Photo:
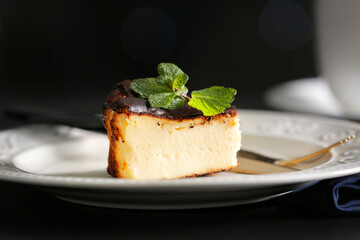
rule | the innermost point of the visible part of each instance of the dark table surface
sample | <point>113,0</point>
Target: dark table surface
<point>29,213</point>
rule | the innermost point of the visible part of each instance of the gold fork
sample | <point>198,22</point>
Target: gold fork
<point>254,163</point>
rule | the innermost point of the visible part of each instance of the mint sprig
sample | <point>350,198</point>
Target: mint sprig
<point>168,91</point>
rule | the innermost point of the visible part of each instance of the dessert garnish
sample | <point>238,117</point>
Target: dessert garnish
<point>168,91</point>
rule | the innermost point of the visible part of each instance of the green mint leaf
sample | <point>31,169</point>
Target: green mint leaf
<point>169,70</point>
<point>161,99</point>
<point>184,90</point>
<point>213,100</point>
<point>147,86</point>
<point>166,100</point>
<point>177,102</point>
<point>180,81</point>
<point>165,80</point>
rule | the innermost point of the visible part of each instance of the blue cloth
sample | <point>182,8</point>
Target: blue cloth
<point>339,196</point>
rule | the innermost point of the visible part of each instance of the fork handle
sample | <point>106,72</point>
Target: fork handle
<point>290,162</point>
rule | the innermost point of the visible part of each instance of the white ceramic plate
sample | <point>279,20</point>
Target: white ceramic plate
<point>71,164</point>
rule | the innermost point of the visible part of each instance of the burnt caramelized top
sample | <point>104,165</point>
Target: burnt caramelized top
<point>123,99</point>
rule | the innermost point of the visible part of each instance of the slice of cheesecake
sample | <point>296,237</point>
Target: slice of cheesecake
<point>154,143</point>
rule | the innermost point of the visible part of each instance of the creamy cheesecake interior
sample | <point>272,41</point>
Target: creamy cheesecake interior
<point>153,148</point>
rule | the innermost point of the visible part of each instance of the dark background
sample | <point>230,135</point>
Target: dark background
<point>68,55</point>
<point>67,48</point>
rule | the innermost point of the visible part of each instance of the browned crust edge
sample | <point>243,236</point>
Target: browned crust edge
<point>113,166</point>
<point>230,112</point>
<point>120,92</point>
<point>206,174</point>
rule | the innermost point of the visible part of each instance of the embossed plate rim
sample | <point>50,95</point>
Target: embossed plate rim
<point>9,172</point>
